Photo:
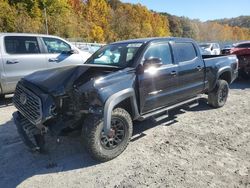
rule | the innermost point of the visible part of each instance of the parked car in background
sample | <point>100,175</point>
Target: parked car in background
<point>226,49</point>
<point>121,82</point>
<point>210,48</point>
<point>242,50</point>
<point>23,54</point>
<point>90,47</point>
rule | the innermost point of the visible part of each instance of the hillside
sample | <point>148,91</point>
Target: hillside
<point>241,21</point>
<point>109,20</point>
<point>206,31</point>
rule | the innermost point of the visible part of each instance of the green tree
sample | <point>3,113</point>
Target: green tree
<point>97,14</point>
<point>7,17</point>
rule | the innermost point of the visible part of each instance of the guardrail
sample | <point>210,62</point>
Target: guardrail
<point>79,44</point>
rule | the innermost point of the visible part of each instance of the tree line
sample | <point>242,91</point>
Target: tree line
<point>206,31</point>
<point>241,21</point>
<point>106,21</point>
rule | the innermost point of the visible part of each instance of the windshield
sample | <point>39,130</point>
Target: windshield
<point>115,54</point>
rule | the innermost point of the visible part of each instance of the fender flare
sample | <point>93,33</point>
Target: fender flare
<point>115,99</point>
<point>224,69</point>
<point>219,73</point>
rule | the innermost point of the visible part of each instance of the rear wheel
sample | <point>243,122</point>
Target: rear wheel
<point>104,147</point>
<point>218,97</point>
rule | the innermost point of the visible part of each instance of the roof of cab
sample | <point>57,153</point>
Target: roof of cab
<point>154,39</point>
<point>26,34</point>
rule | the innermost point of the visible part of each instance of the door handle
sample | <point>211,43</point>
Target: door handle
<point>53,60</point>
<point>11,62</point>
<point>199,68</point>
<point>173,73</point>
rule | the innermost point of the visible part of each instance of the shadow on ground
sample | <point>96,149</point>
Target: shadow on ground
<point>18,164</point>
<point>240,83</point>
<point>5,102</point>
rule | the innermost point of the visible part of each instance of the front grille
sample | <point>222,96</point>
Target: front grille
<point>28,104</point>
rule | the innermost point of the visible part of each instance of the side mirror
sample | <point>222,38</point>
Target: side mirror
<point>152,61</point>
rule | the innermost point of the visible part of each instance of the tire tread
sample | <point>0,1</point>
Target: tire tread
<point>90,129</point>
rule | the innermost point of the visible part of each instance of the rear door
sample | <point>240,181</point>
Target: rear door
<point>158,85</point>
<point>57,55</point>
<point>21,56</point>
<point>191,70</point>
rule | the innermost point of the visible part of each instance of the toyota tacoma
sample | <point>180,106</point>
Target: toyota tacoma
<point>120,83</point>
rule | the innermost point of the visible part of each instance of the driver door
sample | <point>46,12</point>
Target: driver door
<point>158,85</point>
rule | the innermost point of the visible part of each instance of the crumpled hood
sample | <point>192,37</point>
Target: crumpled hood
<point>59,80</point>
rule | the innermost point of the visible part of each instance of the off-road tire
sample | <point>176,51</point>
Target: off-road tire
<point>91,132</point>
<point>215,97</point>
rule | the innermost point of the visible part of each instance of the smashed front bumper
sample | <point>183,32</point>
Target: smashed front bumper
<point>31,136</point>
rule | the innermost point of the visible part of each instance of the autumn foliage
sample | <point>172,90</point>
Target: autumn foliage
<point>107,20</point>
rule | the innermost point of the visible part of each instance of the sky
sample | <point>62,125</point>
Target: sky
<point>198,9</point>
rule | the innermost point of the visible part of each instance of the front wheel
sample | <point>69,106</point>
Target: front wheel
<point>104,147</point>
<point>218,97</point>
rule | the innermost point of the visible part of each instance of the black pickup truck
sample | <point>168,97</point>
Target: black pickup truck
<point>122,82</point>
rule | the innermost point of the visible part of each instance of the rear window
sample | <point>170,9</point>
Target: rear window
<point>185,51</point>
<point>21,45</point>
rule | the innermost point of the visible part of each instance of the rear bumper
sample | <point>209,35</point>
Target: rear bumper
<point>29,133</point>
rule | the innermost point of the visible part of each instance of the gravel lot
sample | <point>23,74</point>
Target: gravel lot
<point>198,147</point>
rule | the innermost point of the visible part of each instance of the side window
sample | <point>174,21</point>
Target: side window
<point>185,51</point>
<point>21,45</point>
<point>161,51</point>
<point>56,45</point>
<point>244,45</point>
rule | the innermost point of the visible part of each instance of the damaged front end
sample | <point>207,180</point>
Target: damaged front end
<point>58,101</point>
<point>39,113</point>
<point>29,117</point>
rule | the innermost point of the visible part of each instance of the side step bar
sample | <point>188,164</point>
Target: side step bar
<point>161,117</point>
<point>166,109</point>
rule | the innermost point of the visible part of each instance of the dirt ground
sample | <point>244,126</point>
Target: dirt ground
<point>197,147</point>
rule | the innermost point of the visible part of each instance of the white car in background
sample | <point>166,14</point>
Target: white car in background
<point>210,48</point>
<point>90,47</point>
<point>22,54</point>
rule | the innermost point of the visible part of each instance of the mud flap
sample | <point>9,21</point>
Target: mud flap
<point>29,133</point>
